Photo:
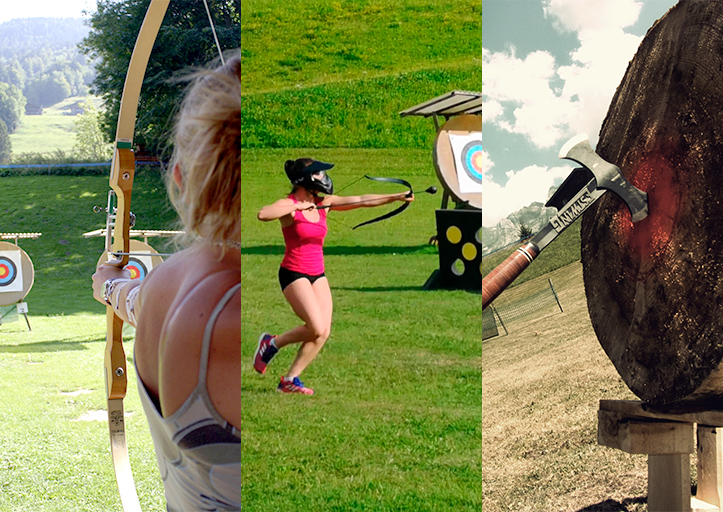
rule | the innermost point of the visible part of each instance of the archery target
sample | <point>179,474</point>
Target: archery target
<point>9,271</point>
<point>141,263</point>
<point>16,274</point>
<point>467,150</point>
<point>136,267</point>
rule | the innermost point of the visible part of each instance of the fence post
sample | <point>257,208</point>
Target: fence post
<point>500,319</point>
<point>555,294</point>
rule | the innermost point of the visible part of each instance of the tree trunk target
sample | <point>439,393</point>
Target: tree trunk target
<point>655,288</point>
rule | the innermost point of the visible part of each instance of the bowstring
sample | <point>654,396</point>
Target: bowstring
<point>213,29</point>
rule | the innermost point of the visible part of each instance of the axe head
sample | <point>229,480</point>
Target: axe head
<point>607,175</point>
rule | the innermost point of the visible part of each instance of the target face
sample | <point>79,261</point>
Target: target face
<point>137,268</point>
<point>472,160</point>
<point>468,157</point>
<point>16,274</point>
<point>8,272</point>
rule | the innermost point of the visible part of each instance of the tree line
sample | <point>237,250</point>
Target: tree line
<point>45,68</point>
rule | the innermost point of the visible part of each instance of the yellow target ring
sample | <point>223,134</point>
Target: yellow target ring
<point>454,235</point>
<point>469,251</point>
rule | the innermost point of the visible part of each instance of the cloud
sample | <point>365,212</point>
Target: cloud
<point>547,102</point>
<point>519,96</point>
<point>535,97</point>
<point>600,15</point>
<point>523,187</point>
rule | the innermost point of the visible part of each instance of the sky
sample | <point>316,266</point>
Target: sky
<point>44,9</point>
<point>549,71</point>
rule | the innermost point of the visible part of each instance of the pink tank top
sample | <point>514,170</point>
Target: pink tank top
<point>305,243</point>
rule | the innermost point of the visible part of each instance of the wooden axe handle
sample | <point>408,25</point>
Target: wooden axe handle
<point>506,272</point>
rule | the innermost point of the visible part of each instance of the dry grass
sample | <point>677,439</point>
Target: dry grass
<point>541,387</point>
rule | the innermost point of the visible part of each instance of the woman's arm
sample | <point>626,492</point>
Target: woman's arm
<point>282,208</point>
<point>365,201</point>
<point>113,286</point>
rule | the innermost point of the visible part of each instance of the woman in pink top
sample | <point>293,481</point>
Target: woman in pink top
<point>303,223</point>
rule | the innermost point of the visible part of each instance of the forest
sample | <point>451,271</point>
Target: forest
<point>40,65</point>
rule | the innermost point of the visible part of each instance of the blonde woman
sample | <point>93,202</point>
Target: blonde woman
<point>303,281</point>
<point>187,310</point>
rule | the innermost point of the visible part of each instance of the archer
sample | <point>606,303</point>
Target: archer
<point>302,215</point>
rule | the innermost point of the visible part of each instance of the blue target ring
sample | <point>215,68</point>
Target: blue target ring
<point>8,271</point>
<point>472,160</point>
<point>137,269</point>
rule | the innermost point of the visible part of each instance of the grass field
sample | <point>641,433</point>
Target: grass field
<point>395,423</point>
<point>541,388</point>
<point>52,131</point>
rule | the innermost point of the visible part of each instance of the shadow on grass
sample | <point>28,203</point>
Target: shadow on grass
<point>379,288</point>
<point>615,506</point>
<point>45,346</point>
<point>342,250</point>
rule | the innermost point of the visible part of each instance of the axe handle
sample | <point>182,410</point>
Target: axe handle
<point>506,272</point>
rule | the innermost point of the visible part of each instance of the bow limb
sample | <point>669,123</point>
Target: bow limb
<point>393,212</point>
<point>121,182</point>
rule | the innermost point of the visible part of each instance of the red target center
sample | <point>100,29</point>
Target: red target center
<point>4,271</point>
<point>477,161</point>
<point>135,273</point>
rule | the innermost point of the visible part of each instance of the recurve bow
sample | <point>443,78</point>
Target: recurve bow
<point>121,181</point>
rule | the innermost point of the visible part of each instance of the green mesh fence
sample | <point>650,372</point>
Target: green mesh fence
<point>510,307</point>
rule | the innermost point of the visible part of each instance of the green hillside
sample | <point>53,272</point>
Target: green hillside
<point>563,251</point>
<point>336,74</point>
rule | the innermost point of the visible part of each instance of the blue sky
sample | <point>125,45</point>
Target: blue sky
<point>549,71</point>
<point>44,9</point>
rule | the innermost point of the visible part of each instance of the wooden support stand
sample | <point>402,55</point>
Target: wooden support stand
<point>666,437</point>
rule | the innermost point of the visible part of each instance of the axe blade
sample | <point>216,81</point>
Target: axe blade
<point>607,175</point>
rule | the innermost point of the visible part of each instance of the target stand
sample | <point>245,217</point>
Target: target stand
<point>17,276</point>
<point>457,159</point>
<point>668,437</point>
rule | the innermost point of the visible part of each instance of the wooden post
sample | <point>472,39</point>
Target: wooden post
<point>667,438</point>
<point>710,465</point>
<point>669,482</point>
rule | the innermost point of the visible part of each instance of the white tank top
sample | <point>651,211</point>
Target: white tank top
<point>198,452</point>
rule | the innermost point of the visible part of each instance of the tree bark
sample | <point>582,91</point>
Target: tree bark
<point>655,288</point>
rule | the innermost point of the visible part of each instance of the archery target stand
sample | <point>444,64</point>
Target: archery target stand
<point>17,276</point>
<point>668,437</point>
<point>457,156</point>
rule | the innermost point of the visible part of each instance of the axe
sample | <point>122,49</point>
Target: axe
<point>581,189</point>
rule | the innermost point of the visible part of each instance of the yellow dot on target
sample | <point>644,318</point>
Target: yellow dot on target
<point>454,235</point>
<point>469,251</point>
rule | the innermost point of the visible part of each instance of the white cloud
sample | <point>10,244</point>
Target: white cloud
<point>546,102</point>
<point>600,15</point>
<point>522,188</point>
<point>535,97</point>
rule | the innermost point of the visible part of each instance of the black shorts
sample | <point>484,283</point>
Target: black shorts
<point>286,277</point>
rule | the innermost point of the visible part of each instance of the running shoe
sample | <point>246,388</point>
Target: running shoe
<point>293,386</point>
<point>265,352</point>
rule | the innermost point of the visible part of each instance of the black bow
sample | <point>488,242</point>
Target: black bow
<point>393,212</point>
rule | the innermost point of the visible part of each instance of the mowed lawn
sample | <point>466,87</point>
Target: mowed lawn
<point>542,384</point>
<point>396,421</point>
